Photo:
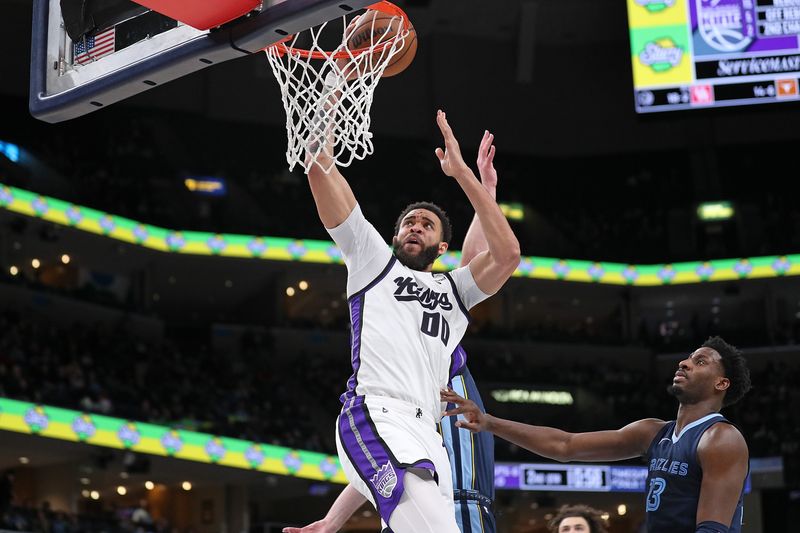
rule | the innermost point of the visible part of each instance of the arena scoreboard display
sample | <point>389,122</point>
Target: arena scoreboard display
<point>570,477</point>
<point>580,477</point>
<point>693,54</point>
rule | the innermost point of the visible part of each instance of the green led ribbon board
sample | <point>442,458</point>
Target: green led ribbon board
<point>313,251</point>
<point>108,432</point>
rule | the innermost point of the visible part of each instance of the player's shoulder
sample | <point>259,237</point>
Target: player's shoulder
<point>722,435</point>
<point>643,431</point>
<point>648,424</point>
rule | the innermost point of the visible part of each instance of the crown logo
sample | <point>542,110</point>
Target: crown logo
<point>385,480</point>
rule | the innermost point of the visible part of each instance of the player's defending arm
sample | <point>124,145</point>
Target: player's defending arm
<point>631,441</point>
<point>475,240</point>
<point>343,508</point>
<point>493,267</point>
<point>723,456</point>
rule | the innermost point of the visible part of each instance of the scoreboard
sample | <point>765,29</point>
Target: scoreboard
<point>570,477</point>
<point>693,54</point>
<point>579,477</point>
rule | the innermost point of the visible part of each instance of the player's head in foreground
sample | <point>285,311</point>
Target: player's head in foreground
<point>715,372</point>
<point>421,234</point>
<point>577,519</point>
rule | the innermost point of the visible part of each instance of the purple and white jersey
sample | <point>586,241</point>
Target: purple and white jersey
<point>406,324</point>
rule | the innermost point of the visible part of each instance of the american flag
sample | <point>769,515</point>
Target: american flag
<point>92,48</point>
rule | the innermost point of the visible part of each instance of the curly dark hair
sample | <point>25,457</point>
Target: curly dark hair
<point>592,516</point>
<point>735,366</point>
<point>447,228</point>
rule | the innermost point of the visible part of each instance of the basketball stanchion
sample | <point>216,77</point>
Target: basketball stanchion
<point>327,94</point>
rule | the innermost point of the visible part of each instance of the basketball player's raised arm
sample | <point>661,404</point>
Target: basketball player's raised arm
<point>631,441</point>
<point>722,453</point>
<point>492,268</point>
<point>475,240</point>
<point>332,194</point>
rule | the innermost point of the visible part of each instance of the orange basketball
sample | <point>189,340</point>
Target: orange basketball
<point>376,27</point>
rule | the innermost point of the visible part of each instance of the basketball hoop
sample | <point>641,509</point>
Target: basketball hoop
<point>327,94</point>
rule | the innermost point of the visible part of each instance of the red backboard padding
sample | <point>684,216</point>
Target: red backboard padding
<point>201,14</point>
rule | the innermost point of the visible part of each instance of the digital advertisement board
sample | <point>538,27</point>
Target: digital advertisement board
<point>693,54</point>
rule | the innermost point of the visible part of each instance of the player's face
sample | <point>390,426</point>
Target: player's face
<point>419,240</point>
<point>699,376</point>
<point>574,524</point>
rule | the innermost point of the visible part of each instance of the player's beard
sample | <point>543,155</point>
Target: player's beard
<point>420,261</point>
<point>681,394</point>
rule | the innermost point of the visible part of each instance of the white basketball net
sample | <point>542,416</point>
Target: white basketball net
<point>327,114</point>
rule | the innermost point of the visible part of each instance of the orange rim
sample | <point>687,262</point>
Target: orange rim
<point>383,6</point>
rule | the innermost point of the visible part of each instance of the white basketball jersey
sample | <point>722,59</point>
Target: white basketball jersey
<point>406,324</point>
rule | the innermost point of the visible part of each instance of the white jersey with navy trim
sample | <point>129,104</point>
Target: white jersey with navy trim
<point>406,324</point>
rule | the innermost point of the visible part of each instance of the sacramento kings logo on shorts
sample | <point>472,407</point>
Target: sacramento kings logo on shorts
<point>385,480</point>
<point>725,25</point>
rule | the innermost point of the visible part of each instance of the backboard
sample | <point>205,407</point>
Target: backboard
<point>89,62</point>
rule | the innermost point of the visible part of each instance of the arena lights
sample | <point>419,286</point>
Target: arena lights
<point>303,285</point>
<point>65,258</point>
<point>35,263</point>
<point>122,491</point>
<point>149,485</point>
<point>11,151</point>
<point>547,397</point>
<point>187,486</point>
<point>94,495</point>
<point>24,460</point>
<point>514,212</point>
<point>290,291</point>
<point>325,252</point>
<point>206,185</point>
<point>622,509</point>
<point>14,270</point>
<point>712,211</point>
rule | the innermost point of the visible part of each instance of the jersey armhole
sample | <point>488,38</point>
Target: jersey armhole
<point>458,297</point>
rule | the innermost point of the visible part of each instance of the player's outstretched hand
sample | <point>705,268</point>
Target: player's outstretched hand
<point>450,158</point>
<point>486,161</point>
<point>317,527</point>
<point>474,419</point>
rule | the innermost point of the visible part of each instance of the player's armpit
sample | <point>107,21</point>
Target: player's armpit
<point>723,456</point>
<point>490,272</point>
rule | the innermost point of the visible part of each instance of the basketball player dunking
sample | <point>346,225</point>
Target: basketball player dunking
<point>406,325</point>
<point>471,457</point>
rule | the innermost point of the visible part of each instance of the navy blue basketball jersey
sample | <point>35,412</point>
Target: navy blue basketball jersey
<point>674,478</point>
<point>472,463</point>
